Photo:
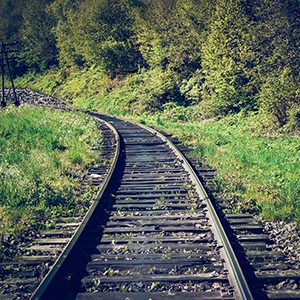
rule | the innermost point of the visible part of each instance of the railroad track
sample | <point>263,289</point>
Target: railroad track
<point>154,234</point>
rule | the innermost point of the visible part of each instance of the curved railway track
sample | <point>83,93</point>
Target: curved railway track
<point>153,233</point>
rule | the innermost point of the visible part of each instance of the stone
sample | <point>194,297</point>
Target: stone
<point>280,285</point>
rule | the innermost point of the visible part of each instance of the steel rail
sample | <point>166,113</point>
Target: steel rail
<point>40,290</point>
<point>237,276</point>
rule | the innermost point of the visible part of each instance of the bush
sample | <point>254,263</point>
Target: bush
<point>176,113</point>
<point>228,60</point>
<point>296,119</point>
<point>278,95</point>
<point>191,88</point>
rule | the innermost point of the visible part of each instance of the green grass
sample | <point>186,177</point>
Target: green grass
<point>256,171</point>
<point>42,153</point>
<point>258,165</point>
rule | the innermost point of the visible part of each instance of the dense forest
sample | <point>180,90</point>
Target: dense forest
<point>220,56</point>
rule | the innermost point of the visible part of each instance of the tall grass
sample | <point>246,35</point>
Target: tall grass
<point>256,170</point>
<point>42,153</point>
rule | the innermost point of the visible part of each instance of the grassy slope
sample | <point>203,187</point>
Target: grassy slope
<point>42,152</point>
<point>258,167</point>
<point>254,171</point>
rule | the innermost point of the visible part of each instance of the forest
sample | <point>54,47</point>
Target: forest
<point>225,72</point>
<point>225,56</point>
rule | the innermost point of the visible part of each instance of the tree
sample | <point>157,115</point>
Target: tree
<point>66,13</point>
<point>228,61</point>
<point>279,67</point>
<point>10,19</point>
<point>170,33</point>
<point>107,37</point>
<point>278,94</point>
<point>37,35</point>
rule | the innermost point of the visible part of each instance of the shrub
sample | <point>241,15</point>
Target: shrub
<point>278,94</point>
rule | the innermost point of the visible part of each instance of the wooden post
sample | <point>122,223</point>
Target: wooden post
<point>5,50</point>
<point>3,104</point>
<point>16,101</point>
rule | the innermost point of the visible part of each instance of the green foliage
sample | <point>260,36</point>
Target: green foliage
<point>278,95</point>
<point>256,171</point>
<point>97,32</point>
<point>224,55</point>
<point>64,11</point>
<point>29,23</point>
<point>37,36</point>
<point>295,118</point>
<point>10,19</point>
<point>227,61</point>
<point>138,93</point>
<point>41,153</point>
<point>169,33</point>
<point>279,69</point>
<point>191,88</point>
<point>279,36</point>
<point>177,113</point>
<point>141,93</point>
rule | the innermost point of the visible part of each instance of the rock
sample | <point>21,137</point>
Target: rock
<point>95,176</point>
<point>280,285</point>
<point>286,238</point>
<point>216,285</point>
<point>295,286</point>
<point>291,281</point>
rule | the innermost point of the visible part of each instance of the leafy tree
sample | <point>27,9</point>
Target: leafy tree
<point>278,94</point>
<point>105,36</point>
<point>228,61</point>
<point>37,36</point>
<point>279,27</point>
<point>170,33</point>
<point>66,15</point>
<point>10,19</point>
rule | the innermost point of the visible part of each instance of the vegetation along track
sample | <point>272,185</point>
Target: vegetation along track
<point>20,277</point>
<point>154,234</point>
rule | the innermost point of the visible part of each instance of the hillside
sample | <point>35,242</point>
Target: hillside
<point>221,75</point>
